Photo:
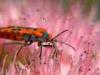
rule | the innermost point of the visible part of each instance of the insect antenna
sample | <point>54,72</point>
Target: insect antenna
<point>67,45</point>
<point>54,39</point>
<point>59,34</point>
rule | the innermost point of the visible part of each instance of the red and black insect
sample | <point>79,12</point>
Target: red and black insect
<point>30,35</point>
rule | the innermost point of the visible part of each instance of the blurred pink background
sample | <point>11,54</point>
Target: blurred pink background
<point>49,14</point>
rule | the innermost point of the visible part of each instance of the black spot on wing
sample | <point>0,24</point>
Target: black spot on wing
<point>16,28</point>
<point>27,28</point>
<point>15,35</point>
<point>41,32</point>
<point>5,34</point>
<point>35,29</point>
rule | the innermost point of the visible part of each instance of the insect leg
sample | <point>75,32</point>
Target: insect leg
<point>55,53</point>
<point>16,43</point>
<point>40,56</point>
<point>67,45</point>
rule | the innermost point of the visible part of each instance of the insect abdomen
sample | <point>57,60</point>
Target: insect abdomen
<point>9,34</point>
